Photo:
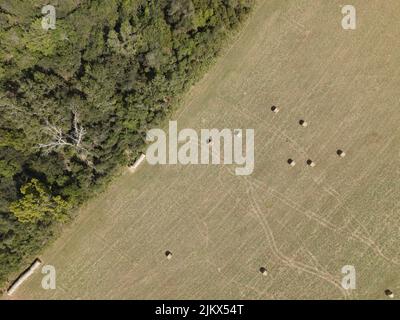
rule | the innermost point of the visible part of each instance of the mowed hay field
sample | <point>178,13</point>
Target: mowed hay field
<point>302,224</point>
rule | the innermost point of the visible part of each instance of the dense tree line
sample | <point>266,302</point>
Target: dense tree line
<point>76,101</point>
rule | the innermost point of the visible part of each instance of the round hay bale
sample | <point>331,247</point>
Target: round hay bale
<point>263,271</point>
<point>168,254</point>
<point>341,153</point>
<point>389,293</point>
<point>291,162</point>
<point>303,123</point>
<point>310,163</point>
<point>238,132</point>
<point>274,109</point>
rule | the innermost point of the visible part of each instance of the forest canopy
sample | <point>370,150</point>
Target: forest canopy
<point>77,100</point>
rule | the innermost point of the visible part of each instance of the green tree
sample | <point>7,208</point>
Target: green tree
<point>37,204</point>
<point>9,168</point>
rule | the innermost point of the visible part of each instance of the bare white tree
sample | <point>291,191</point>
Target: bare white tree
<point>59,139</point>
<point>79,131</point>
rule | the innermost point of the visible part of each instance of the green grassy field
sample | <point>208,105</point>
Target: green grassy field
<point>303,224</point>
